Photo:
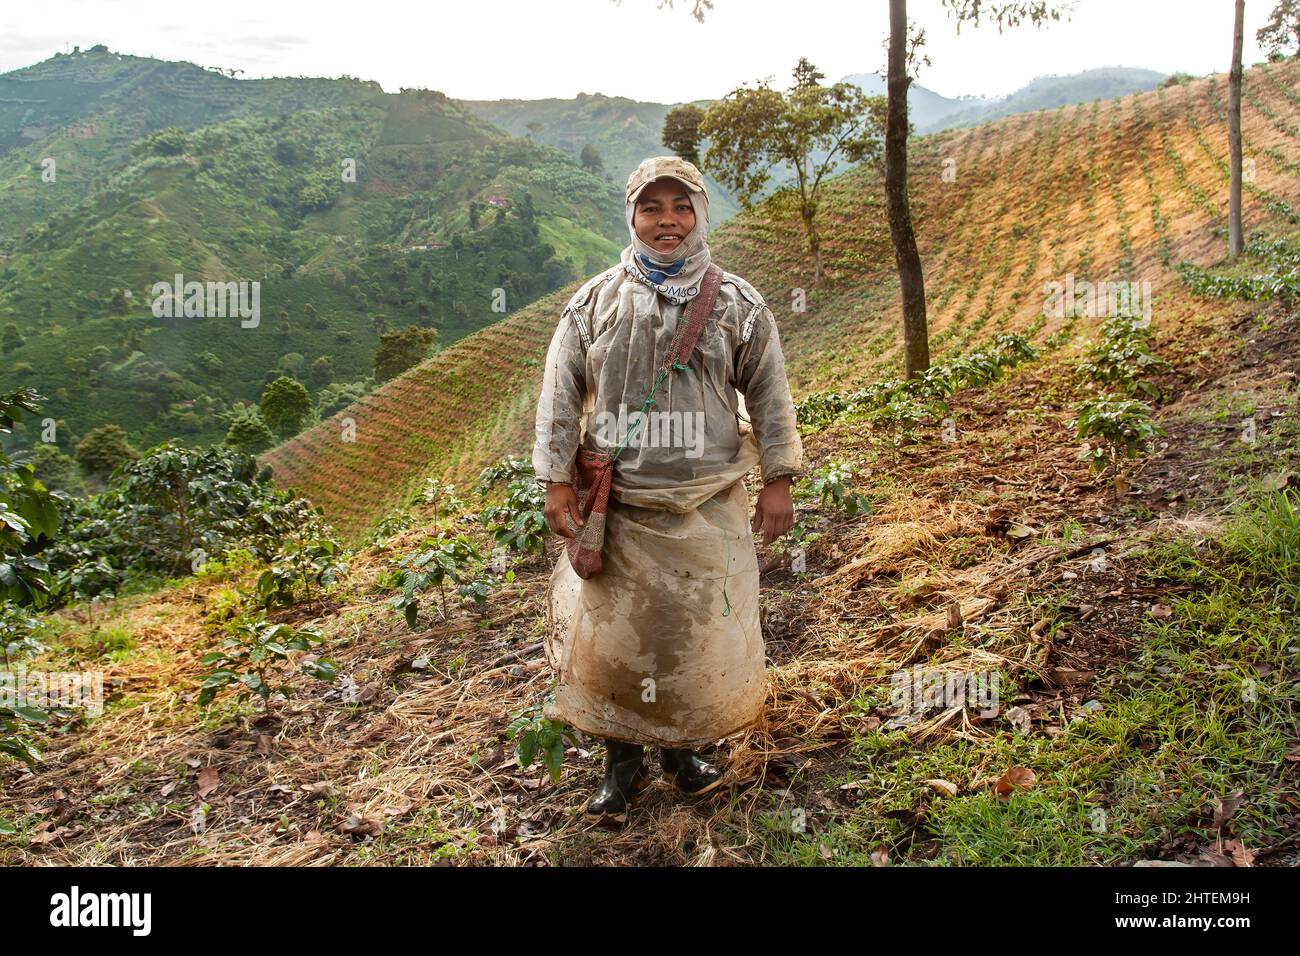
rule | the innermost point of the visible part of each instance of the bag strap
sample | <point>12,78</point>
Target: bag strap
<point>684,339</point>
<point>688,334</point>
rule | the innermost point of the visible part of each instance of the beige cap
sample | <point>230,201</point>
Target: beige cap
<point>659,167</point>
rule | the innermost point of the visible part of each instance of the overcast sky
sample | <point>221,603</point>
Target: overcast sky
<point>491,49</point>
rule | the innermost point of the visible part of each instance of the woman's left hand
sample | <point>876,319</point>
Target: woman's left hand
<point>774,513</point>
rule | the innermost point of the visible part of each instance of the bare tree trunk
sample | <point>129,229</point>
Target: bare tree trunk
<point>1234,138</point>
<point>911,280</point>
<point>814,242</point>
<point>808,214</point>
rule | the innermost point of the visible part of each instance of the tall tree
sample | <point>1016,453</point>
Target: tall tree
<point>401,350</point>
<point>285,406</point>
<point>103,449</point>
<point>904,56</point>
<point>911,278</point>
<point>590,159</point>
<point>904,46</point>
<point>1234,136</point>
<point>752,130</point>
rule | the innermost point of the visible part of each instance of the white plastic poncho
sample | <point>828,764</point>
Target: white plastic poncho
<point>663,647</point>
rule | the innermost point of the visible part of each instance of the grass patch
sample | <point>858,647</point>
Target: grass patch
<point>1208,707</point>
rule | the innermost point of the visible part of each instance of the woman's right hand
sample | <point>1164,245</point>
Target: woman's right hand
<point>560,502</point>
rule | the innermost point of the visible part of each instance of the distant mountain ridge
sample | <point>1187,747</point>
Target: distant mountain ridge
<point>85,109</point>
<point>624,131</point>
<point>1050,92</point>
<point>926,108</point>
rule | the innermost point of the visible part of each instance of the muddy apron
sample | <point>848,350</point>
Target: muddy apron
<point>663,647</point>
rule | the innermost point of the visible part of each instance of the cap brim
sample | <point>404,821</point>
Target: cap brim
<point>641,188</point>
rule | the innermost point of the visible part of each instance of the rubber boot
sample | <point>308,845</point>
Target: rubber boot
<point>690,773</point>
<point>626,775</point>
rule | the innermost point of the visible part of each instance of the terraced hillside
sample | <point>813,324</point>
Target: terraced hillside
<point>1117,190</point>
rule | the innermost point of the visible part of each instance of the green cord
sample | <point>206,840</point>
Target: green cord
<point>726,600</point>
<point>649,399</point>
<point>645,407</point>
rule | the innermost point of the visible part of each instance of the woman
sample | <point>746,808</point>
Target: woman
<point>663,646</point>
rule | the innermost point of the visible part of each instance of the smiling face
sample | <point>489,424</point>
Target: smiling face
<point>664,215</point>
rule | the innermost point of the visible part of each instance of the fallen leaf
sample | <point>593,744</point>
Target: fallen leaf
<point>1069,676</point>
<point>954,616</point>
<point>1211,858</point>
<point>945,787</point>
<point>1161,612</point>
<point>1240,855</point>
<point>1225,807</point>
<point>1017,778</point>
<point>360,825</point>
<point>1019,719</point>
<point>208,780</point>
<point>1275,481</point>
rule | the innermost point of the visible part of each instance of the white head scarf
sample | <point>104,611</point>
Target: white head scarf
<point>675,275</point>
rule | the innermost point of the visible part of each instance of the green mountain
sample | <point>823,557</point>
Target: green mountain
<point>352,218</point>
<point>621,131</point>
<point>84,109</point>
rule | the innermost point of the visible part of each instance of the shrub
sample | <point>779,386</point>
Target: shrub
<point>251,653</point>
<point>1121,428</point>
